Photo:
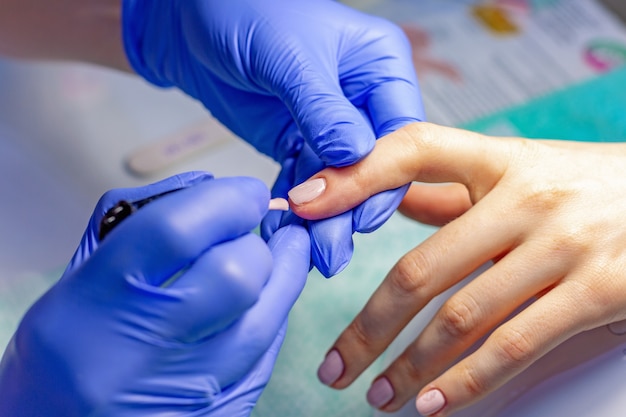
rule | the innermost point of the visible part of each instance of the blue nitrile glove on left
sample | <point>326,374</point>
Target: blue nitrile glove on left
<point>291,77</point>
<point>180,310</point>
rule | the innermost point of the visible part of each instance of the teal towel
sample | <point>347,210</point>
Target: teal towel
<point>324,309</point>
<point>591,111</point>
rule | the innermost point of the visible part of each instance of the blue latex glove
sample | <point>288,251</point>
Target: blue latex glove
<point>282,74</point>
<point>116,336</point>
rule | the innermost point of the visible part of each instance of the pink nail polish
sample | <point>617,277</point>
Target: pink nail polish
<point>380,393</point>
<point>307,191</point>
<point>430,402</point>
<point>331,369</point>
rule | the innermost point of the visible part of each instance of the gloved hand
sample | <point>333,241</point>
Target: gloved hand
<point>180,310</point>
<point>282,74</point>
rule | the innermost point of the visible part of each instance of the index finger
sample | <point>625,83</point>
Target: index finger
<point>418,152</point>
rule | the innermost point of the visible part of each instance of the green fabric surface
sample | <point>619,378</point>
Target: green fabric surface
<point>591,111</point>
<point>324,309</point>
<point>16,296</point>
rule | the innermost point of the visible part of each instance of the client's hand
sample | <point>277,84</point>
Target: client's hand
<point>549,213</point>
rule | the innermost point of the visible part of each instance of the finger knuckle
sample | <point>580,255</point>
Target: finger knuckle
<point>410,366</point>
<point>542,198</point>
<point>243,265</point>
<point>513,348</point>
<point>458,317</point>
<point>410,276</point>
<point>571,239</point>
<point>473,382</point>
<point>359,333</point>
<point>423,136</point>
<point>245,286</point>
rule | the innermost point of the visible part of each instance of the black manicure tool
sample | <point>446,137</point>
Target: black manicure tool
<point>122,210</point>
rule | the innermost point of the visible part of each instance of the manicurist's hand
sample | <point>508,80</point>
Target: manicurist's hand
<point>549,213</point>
<point>179,310</point>
<point>311,83</point>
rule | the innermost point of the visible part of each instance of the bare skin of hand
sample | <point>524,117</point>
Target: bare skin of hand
<point>550,213</point>
<point>435,206</point>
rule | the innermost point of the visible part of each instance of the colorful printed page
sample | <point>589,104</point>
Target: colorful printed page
<point>475,58</point>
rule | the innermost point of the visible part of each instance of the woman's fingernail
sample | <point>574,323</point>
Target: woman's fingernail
<point>307,191</point>
<point>331,369</point>
<point>380,393</point>
<point>430,402</point>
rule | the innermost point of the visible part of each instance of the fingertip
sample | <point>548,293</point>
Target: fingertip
<point>332,126</point>
<point>330,192</point>
<point>239,270</point>
<point>328,266</point>
<point>307,191</point>
<point>380,393</point>
<point>344,143</point>
<point>331,244</point>
<point>249,189</point>
<point>430,402</point>
<point>331,368</point>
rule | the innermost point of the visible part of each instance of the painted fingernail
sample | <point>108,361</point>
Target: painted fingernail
<point>307,191</point>
<point>380,393</point>
<point>430,402</point>
<point>331,369</point>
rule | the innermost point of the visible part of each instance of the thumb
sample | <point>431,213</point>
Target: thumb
<point>333,127</point>
<point>418,152</point>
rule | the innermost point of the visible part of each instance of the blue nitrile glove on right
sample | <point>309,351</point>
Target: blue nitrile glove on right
<point>180,310</point>
<point>286,75</point>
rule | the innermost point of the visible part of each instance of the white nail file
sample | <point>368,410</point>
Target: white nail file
<point>172,149</point>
